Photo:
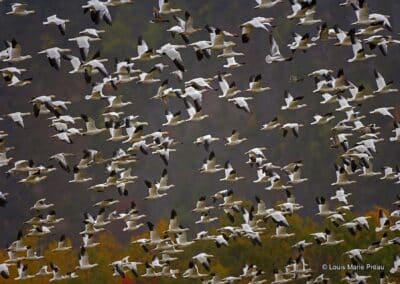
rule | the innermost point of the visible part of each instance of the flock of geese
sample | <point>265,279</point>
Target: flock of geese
<point>355,141</point>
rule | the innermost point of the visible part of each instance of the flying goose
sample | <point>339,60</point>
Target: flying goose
<point>382,86</point>
<point>17,82</point>
<point>54,56</point>
<point>153,191</point>
<point>275,54</point>
<point>206,140</point>
<point>292,102</point>
<point>171,51</point>
<point>241,103</point>
<point>322,119</point>
<point>230,173</point>
<point>83,43</point>
<point>166,9</point>
<point>184,28</point>
<point>271,124</point>
<point>98,10</point>
<point>84,263</point>
<point>323,207</point>
<point>23,273</point>
<point>385,111</point>
<point>301,42</point>
<point>257,22</point>
<point>234,139</point>
<point>264,4</point>
<point>19,9</point>
<point>201,206</point>
<point>144,52</point>
<point>358,51</point>
<point>255,85</point>
<point>13,54</point>
<point>60,23</point>
<point>41,205</point>
<point>17,117</point>
<point>228,90</point>
<point>210,164</point>
<point>291,126</point>
<point>92,32</point>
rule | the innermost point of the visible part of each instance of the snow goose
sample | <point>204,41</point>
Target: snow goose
<point>358,94</point>
<point>241,103</point>
<point>79,177</point>
<point>341,196</point>
<point>98,10</point>
<point>194,111</point>
<point>292,102</point>
<point>62,245</point>
<point>153,191</point>
<point>301,8</point>
<point>234,139</point>
<point>308,20</point>
<point>322,238</point>
<point>301,42</point>
<point>14,51</point>
<point>163,185</point>
<point>83,43</point>
<point>204,259</point>
<point>166,9</point>
<point>271,124</point>
<point>228,90</point>
<point>322,119</point>
<point>84,263</point>
<point>294,174</point>
<point>4,272</point>
<point>201,206</point>
<point>257,22</point>
<point>382,86</point>
<point>294,127</point>
<point>17,117</point>
<point>323,207</point>
<point>19,9</point>
<point>278,217</point>
<point>60,23</point>
<point>94,66</point>
<point>144,52</point>
<point>385,111</point>
<point>389,173</point>
<point>41,205</point>
<point>17,82</point>
<point>342,176</point>
<point>230,173</point>
<point>275,54</point>
<point>149,77</point>
<point>255,85</point>
<point>54,55</point>
<point>193,272</point>
<point>23,273</point>
<point>280,232</point>
<point>184,28</point>
<point>92,32</point>
<point>217,40</point>
<point>210,164</point>
<point>232,63</point>
<point>171,51</point>
<point>358,51</point>
<point>206,140</point>
<point>264,4</point>
<point>276,182</point>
